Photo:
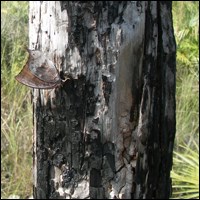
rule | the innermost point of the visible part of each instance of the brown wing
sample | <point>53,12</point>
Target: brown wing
<point>45,70</point>
<point>27,78</point>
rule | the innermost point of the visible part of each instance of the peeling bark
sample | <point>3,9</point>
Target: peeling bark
<point>108,132</point>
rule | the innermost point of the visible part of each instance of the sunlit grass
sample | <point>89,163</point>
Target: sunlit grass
<point>16,108</point>
<point>185,173</point>
<point>187,90</point>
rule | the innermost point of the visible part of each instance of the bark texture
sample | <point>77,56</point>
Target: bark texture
<point>108,132</point>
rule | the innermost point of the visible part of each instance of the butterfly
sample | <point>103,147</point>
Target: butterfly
<point>39,72</point>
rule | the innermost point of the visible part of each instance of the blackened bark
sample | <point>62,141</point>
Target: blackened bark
<point>108,132</point>
<point>156,136</point>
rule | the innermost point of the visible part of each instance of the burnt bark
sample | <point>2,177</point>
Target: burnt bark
<point>108,131</point>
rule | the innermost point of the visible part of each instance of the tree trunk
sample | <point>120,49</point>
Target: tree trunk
<point>108,131</point>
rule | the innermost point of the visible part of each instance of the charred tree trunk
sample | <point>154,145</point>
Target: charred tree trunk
<point>108,132</point>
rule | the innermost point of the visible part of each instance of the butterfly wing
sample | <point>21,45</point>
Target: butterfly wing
<point>44,69</point>
<point>27,78</point>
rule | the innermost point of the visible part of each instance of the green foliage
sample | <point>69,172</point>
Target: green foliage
<point>186,26</point>
<point>16,118</point>
<point>185,173</point>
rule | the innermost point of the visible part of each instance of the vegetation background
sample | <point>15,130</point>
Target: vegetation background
<point>16,107</point>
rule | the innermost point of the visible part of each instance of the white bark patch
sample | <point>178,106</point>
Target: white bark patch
<point>74,62</point>
<point>82,191</point>
<point>48,27</point>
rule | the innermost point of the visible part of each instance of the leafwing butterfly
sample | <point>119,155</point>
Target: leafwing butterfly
<point>39,72</point>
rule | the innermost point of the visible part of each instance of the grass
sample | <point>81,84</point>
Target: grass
<point>16,118</point>
<point>185,172</point>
